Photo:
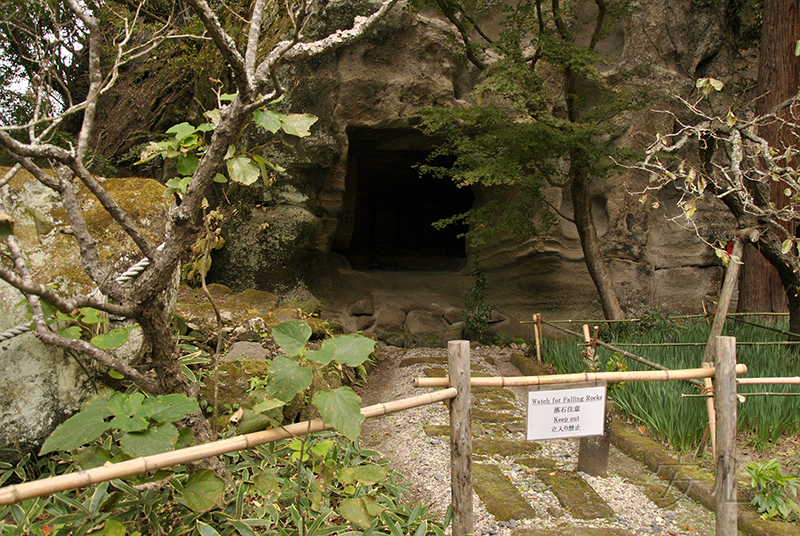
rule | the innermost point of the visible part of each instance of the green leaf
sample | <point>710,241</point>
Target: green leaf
<point>786,247</point>
<point>113,339</point>
<point>266,482</point>
<point>187,164</point>
<point>287,378</point>
<point>90,315</point>
<point>355,511</point>
<point>203,491</point>
<point>797,48</point>
<point>90,457</point>
<point>83,427</point>
<point>114,528</point>
<point>220,178</point>
<point>241,527</point>
<point>243,170</point>
<point>268,404</point>
<point>365,474</point>
<point>154,440</point>
<point>181,130</point>
<point>341,408</point>
<point>206,530</point>
<point>268,120</point>
<point>227,97</point>
<point>72,332</point>
<point>292,336</point>
<point>185,438</point>
<point>124,404</point>
<point>298,124</point>
<point>350,350</point>
<point>171,408</point>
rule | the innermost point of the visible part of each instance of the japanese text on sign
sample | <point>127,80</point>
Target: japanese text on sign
<point>563,413</point>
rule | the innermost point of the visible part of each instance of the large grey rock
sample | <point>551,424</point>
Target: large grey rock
<point>389,326</point>
<point>424,329</point>
<point>41,386</point>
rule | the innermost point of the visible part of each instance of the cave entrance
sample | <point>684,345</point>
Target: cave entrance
<point>389,207</point>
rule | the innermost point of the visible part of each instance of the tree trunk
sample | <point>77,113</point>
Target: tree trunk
<point>760,288</point>
<point>598,270</point>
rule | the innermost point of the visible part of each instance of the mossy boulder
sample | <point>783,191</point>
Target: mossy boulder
<point>500,496</point>
<point>575,494</point>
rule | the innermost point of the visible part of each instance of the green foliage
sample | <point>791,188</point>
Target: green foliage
<point>773,492</point>
<point>187,145</point>
<point>681,421</point>
<point>139,426</point>
<point>477,312</point>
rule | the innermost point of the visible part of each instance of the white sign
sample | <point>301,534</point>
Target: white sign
<point>562,413</point>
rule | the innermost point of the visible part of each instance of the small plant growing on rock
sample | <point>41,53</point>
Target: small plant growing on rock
<point>477,312</point>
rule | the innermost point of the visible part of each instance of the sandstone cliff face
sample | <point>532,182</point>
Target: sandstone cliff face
<point>367,90</point>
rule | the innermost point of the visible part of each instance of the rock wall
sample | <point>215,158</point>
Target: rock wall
<point>409,62</point>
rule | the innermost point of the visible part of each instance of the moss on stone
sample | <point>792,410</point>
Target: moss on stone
<point>501,498</point>
<point>536,462</point>
<point>575,494</point>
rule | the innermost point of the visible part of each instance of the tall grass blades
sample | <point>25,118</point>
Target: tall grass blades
<point>681,421</point>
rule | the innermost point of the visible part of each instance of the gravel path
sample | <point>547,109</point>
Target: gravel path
<point>424,460</point>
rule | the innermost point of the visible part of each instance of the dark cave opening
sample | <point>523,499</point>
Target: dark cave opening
<point>389,207</point>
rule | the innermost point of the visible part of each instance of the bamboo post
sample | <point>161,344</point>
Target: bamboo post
<point>728,285</point>
<point>537,333</point>
<point>583,377</point>
<point>725,386</point>
<point>78,479</point>
<point>460,438</point>
<point>708,389</point>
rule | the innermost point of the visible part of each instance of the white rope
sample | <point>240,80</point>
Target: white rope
<point>131,273</point>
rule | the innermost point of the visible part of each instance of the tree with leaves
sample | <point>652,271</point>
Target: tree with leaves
<point>725,157</point>
<point>79,30</point>
<point>524,135</point>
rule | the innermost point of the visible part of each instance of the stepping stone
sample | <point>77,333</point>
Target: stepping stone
<point>575,494</point>
<point>535,462</point>
<point>500,496</point>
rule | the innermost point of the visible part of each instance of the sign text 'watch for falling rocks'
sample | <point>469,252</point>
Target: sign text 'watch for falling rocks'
<point>562,413</point>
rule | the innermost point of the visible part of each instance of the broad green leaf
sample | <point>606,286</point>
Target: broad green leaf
<point>185,438</point>
<point>123,404</point>
<point>154,440</point>
<point>90,457</point>
<point>129,424</point>
<point>114,528</point>
<point>203,491</point>
<point>287,378</point>
<point>187,164</point>
<point>786,247</point>
<point>268,120</point>
<point>243,170</point>
<point>72,332</point>
<point>341,408</point>
<point>220,178</point>
<point>322,448</point>
<point>268,404</point>
<point>351,350</point>
<point>730,119</point>
<point>298,124</point>
<point>206,530</point>
<point>113,339</point>
<point>292,336</point>
<point>213,116</point>
<point>83,427</point>
<point>364,474</point>
<point>171,408</point>
<point>355,511</point>
<point>90,315</point>
<point>181,130</point>
<point>267,483</point>
<point>241,527</point>
<point>227,97</point>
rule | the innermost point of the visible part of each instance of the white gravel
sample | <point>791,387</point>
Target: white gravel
<point>424,461</point>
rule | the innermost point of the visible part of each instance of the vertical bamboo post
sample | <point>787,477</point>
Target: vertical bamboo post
<point>708,387</point>
<point>725,295</point>
<point>537,333</point>
<point>725,387</point>
<point>460,438</point>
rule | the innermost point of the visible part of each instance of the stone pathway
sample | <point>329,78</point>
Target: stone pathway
<point>532,488</point>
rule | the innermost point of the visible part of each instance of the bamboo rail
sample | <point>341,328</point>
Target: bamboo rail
<point>795,380</point>
<point>626,376</point>
<point>37,488</point>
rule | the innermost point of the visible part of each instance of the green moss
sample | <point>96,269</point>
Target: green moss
<point>492,446</point>
<point>575,494</point>
<point>535,462</point>
<point>499,495</point>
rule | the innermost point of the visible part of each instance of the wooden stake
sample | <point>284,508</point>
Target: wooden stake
<point>625,376</point>
<point>537,333</point>
<point>708,389</point>
<point>725,387</point>
<point>460,438</point>
<point>37,488</point>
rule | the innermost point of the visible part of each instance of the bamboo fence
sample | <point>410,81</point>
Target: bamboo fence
<point>37,488</point>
